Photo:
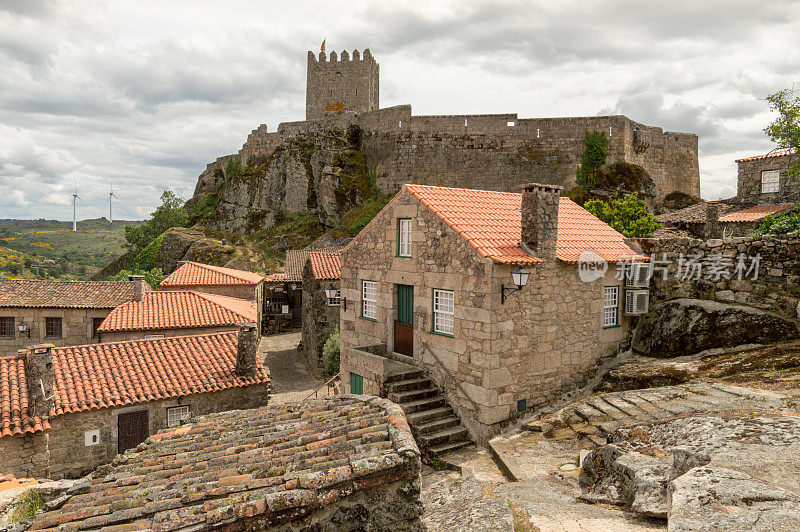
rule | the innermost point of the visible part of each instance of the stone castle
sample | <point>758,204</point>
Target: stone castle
<point>490,151</point>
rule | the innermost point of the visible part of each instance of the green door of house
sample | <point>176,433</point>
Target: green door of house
<point>356,384</point>
<point>405,304</point>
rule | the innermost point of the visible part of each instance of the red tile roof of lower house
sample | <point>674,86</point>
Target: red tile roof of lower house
<point>94,376</point>
<point>14,406</point>
<point>492,224</point>
<point>192,274</point>
<point>177,310</point>
<point>775,153</point>
<point>296,261</point>
<point>325,265</point>
<point>754,214</point>
<point>64,294</point>
<point>248,469</point>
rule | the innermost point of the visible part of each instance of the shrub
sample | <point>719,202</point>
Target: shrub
<point>627,215</point>
<point>594,156</point>
<point>330,353</point>
<point>169,214</point>
<point>153,276</point>
<point>779,225</point>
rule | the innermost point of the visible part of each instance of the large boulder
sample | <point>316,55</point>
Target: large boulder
<point>174,245</point>
<point>686,326</point>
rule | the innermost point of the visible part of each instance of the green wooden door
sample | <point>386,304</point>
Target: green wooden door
<point>356,384</point>
<point>405,304</point>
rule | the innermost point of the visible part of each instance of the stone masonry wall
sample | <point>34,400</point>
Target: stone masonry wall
<point>749,184</point>
<point>341,85</point>
<point>76,327</point>
<point>319,318</point>
<point>61,452</point>
<point>544,341</point>
<point>777,287</point>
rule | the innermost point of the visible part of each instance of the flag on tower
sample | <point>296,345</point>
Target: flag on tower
<point>322,48</point>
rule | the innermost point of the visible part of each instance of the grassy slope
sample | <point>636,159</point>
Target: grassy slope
<point>95,244</point>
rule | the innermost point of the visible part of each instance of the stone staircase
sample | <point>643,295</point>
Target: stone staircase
<point>436,427</point>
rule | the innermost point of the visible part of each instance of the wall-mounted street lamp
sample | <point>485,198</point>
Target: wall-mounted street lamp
<point>23,328</point>
<point>330,293</point>
<point>519,277</point>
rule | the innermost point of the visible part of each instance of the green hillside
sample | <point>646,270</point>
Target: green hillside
<point>50,249</point>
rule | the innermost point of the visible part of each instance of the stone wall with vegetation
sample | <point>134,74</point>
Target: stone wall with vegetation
<point>777,287</point>
<point>319,318</point>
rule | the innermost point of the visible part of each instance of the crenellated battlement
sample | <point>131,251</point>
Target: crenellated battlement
<point>341,84</point>
<point>322,58</point>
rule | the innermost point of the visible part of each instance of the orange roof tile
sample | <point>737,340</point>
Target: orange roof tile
<point>64,294</point>
<point>775,153</point>
<point>192,274</point>
<point>326,265</point>
<point>296,261</point>
<point>179,309</point>
<point>14,414</point>
<point>491,222</point>
<point>95,376</point>
<point>753,214</point>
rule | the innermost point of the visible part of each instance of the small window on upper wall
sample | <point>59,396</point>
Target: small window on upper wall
<point>610,306</point>
<point>404,237</point>
<point>770,181</point>
<point>52,327</point>
<point>7,326</point>
<point>175,414</point>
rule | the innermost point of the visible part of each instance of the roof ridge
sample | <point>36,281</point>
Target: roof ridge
<point>147,340</point>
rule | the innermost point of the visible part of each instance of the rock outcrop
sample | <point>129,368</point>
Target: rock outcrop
<point>687,326</point>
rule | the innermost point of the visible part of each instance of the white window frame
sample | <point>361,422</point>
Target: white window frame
<point>610,306</point>
<point>369,300</point>
<point>444,311</point>
<point>335,301</point>
<point>172,421</point>
<point>770,181</point>
<point>404,237</point>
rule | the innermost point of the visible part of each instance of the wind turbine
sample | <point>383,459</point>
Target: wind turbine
<point>111,195</point>
<point>75,197</point>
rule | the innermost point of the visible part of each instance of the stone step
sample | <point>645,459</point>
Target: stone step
<point>611,411</point>
<point>426,416</point>
<point>438,424</point>
<point>423,404</point>
<point>405,376</point>
<point>588,413</point>
<point>629,408</point>
<point>448,435</point>
<point>413,395</point>
<point>411,384</point>
<point>652,410</point>
<point>438,450</point>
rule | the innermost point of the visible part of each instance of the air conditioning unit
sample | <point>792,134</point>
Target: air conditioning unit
<point>637,275</point>
<point>637,302</point>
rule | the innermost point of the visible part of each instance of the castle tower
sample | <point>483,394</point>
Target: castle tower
<point>341,85</point>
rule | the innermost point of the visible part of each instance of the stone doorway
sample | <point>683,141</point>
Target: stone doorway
<point>132,429</point>
<point>404,323</point>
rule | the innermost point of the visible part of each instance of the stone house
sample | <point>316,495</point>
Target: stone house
<point>344,463</point>
<point>764,189</point>
<point>320,312</point>
<point>218,280</point>
<point>176,313</point>
<point>66,410</point>
<point>58,312</point>
<point>431,282</point>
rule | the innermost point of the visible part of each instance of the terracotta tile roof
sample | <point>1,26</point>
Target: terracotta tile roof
<point>754,214</point>
<point>776,153</point>
<point>94,376</point>
<point>192,274</point>
<point>492,224</point>
<point>14,414</point>
<point>275,278</point>
<point>64,294</point>
<point>296,261</point>
<point>326,265</point>
<point>248,469</point>
<point>695,213</point>
<point>179,309</point>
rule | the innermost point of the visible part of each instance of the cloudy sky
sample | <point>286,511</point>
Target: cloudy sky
<point>144,94</point>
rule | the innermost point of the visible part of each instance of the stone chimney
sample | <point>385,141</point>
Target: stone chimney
<point>711,229</point>
<point>40,374</point>
<point>540,219</point>
<point>140,286</point>
<point>247,354</point>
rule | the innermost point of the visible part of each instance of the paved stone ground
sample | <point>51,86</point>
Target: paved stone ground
<point>292,380</point>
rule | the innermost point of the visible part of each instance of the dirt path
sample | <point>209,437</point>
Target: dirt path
<point>291,378</point>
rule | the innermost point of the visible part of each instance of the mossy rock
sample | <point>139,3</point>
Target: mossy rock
<point>679,200</point>
<point>625,177</point>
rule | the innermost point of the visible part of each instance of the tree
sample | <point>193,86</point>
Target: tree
<point>153,276</point>
<point>627,215</point>
<point>780,225</point>
<point>785,129</point>
<point>330,353</point>
<point>169,214</point>
<point>594,156</point>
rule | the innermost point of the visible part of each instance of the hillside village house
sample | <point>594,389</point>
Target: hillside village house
<point>176,313</point>
<point>764,188</point>
<point>437,280</point>
<point>58,312</point>
<point>321,302</point>
<point>218,280</point>
<point>66,410</point>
